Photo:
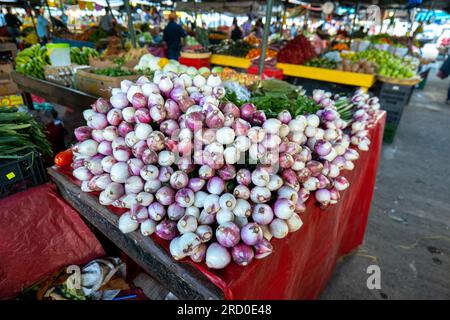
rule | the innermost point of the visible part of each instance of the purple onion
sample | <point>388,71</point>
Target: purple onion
<point>179,180</point>
<point>215,119</point>
<point>185,164</point>
<point>167,229</point>
<point>139,148</point>
<point>229,107</point>
<point>283,208</point>
<point>97,135</point>
<point>156,141</point>
<point>251,233</point>
<point>97,121</point>
<point>83,133</point>
<point>149,156</point>
<point>324,182</point>
<point>173,111</point>
<point>165,173</point>
<point>135,166</point>
<point>315,167</point>
<point>241,127</point>
<point>165,195</point>
<point>262,249</point>
<point>244,177</point>
<point>262,214</point>
<point>169,127</point>
<point>156,211</point>
<point>157,113</point>
<point>290,177</point>
<point>101,106</point>
<point>286,160</point>
<point>184,102</point>
<point>196,184</point>
<point>242,254</point>
<point>241,191</point>
<point>175,212</point>
<point>206,172</point>
<point>185,197</point>
<point>105,148</point>
<point>228,234</point>
<point>142,115</point>
<point>247,111</point>
<point>215,185</point>
<point>114,116</point>
<point>124,128</point>
<point>227,172</point>
<point>194,121</point>
<point>139,100</point>
<point>196,96</point>
<point>258,118</point>
<point>284,116</point>
<point>322,147</point>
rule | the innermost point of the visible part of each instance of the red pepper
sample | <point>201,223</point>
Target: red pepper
<point>64,158</point>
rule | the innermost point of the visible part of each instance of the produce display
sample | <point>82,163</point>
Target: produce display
<point>389,65</point>
<point>228,47</point>
<point>20,132</point>
<point>321,62</point>
<point>113,72</point>
<point>217,180</point>
<point>340,47</point>
<point>81,56</point>
<point>31,61</point>
<point>256,52</point>
<point>196,48</point>
<point>134,54</point>
<point>361,66</point>
<point>252,40</point>
<point>245,79</point>
<point>297,51</point>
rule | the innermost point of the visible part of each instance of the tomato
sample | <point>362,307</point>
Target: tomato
<point>64,158</point>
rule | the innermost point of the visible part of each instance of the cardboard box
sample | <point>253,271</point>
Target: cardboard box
<point>98,85</point>
<point>5,71</point>
<point>8,88</point>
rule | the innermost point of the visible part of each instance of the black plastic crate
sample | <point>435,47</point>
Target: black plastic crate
<point>393,93</point>
<point>389,132</point>
<point>19,174</point>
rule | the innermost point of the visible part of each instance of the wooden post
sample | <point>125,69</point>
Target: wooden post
<point>130,23</point>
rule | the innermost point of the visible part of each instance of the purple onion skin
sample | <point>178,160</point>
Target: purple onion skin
<point>247,111</point>
<point>227,172</point>
<point>228,234</point>
<point>251,233</point>
<point>242,254</point>
<point>167,229</point>
<point>165,195</point>
<point>83,133</point>
<point>262,249</point>
<point>196,184</point>
<point>258,118</point>
<point>124,128</point>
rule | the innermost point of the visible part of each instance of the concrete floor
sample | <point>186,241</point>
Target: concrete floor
<point>408,234</point>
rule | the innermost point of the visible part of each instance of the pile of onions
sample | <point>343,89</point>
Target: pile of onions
<point>216,180</point>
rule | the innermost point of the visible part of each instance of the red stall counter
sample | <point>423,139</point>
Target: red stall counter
<point>303,262</point>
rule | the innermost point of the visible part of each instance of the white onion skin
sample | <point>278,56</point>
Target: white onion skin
<point>217,256</point>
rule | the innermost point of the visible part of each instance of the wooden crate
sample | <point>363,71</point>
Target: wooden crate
<point>98,85</point>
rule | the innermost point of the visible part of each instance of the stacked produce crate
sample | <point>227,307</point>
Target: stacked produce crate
<point>393,99</point>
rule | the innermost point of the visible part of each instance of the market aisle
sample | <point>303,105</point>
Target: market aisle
<point>408,234</point>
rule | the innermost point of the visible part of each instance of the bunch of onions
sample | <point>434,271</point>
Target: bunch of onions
<point>140,149</point>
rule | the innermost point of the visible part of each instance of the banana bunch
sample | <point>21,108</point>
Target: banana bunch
<point>32,60</point>
<point>81,56</point>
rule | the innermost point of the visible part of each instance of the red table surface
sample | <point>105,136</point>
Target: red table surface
<point>39,234</point>
<point>302,263</point>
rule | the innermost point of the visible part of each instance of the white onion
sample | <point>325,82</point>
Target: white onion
<point>127,224</point>
<point>119,172</point>
<point>279,228</point>
<point>142,130</point>
<point>294,222</point>
<point>225,135</point>
<point>148,227</point>
<point>217,256</point>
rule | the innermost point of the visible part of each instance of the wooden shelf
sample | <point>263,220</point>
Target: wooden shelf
<point>52,92</point>
<point>181,278</point>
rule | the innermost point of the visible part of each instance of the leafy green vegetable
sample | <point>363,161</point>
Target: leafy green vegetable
<point>19,131</point>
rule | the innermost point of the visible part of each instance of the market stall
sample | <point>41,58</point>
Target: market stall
<point>304,261</point>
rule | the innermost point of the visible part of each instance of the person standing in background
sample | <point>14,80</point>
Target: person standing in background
<point>444,72</point>
<point>236,32</point>
<point>42,27</point>
<point>13,24</point>
<point>107,22</point>
<point>247,26</point>
<point>259,28</point>
<point>172,36</point>
<point>294,30</point>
